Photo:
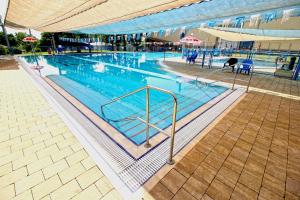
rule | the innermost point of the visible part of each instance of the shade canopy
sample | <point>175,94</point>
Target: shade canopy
<point>143,16</point>
<point>264,32</point>
<point>66,15</point>
<point>210,13</point>
<point>240,36</point>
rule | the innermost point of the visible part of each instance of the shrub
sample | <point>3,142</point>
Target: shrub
<point>17,51</point>
<point>3,50</point>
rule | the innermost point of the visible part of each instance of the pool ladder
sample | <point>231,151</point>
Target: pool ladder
<point>234,79</point>
<point>148,124</point>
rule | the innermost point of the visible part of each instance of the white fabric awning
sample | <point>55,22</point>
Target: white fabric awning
<point>137,16</point>
<point>58,15</point>
<point>234,36</point>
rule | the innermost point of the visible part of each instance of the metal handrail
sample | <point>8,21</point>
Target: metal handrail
<point>148,124</point>
<point>234,79</point>
<point>249,80</point>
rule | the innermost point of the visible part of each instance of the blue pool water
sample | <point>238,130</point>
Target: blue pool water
<point>95,79</point>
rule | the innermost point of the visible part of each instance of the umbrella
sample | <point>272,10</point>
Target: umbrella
<point>191,40</point>
<point>29,39</point>
<point>32,40</point>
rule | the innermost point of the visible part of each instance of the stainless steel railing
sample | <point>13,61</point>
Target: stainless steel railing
<point>148,124</point>
<point>249,80</point>
<point>233,79</point>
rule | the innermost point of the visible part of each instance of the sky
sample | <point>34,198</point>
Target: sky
<point>36,34</point>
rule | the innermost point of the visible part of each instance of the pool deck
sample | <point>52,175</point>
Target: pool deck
<point>253,151</point>
<point>39,156</point>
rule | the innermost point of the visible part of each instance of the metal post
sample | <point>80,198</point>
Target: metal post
<point>53,42</point>
<point>235,78</point>
<point>203,58</point>
<point>297,70</point>
<point>5,35</point>
<point>33,51</point>
<point>147,144</point>
<point>250,79</point>
<point>170,161</point>
<point>164,52</point>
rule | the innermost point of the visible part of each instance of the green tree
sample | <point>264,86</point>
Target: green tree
<point>19,37</point>
<point>2,39</point>
<point>12,40</point>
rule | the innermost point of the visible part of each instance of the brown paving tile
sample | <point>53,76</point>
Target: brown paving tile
<point>186,167</point>
<point>293,171</point>
<point>217,133</point>
<point>259,154</point>
<point>228,176</point>
<point>222,150</point>
<point>205,173</point>
<point>215,160</point>
<point>273,185</point>
<point>236,128</point>
<point>233,134</point>
<point>160,192</point>
<point>211,139</point>
<point>263,140</point>
<point>218,190</point>
<point>242,192</point>
<point>203,147</point>
<point>227,142</point>
<point>248,137</point>
<point>206,197</point>
<point>195,156</point>
<point>173,181</point>
<point>234,164</point>
<point>195,187</point>
<point>276,170</point>
<point>265,194</point>
<point>293,186</point>
<point>183,194</point>
<point>243,145</point>
<point>250,180</point>
<point>223,126</point>
<point>289,196</point>
<point>254,167</point>
<point>274,158</point>
<point>239,154</point>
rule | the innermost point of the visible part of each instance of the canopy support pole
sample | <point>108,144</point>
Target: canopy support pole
<point>53,43</point>
<point>6,38</point>
<point>33,51</point>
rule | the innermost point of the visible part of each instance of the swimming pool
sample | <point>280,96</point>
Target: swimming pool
<point>95,79</point>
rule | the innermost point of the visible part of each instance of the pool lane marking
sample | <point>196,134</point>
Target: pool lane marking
<point>130,69</point>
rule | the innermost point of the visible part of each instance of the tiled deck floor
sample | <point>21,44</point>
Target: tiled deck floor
<point>39,156</point>
<point>253,152</point>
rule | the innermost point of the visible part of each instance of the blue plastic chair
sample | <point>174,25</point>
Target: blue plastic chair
<point>245,66</point>
<point>192,58</point>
